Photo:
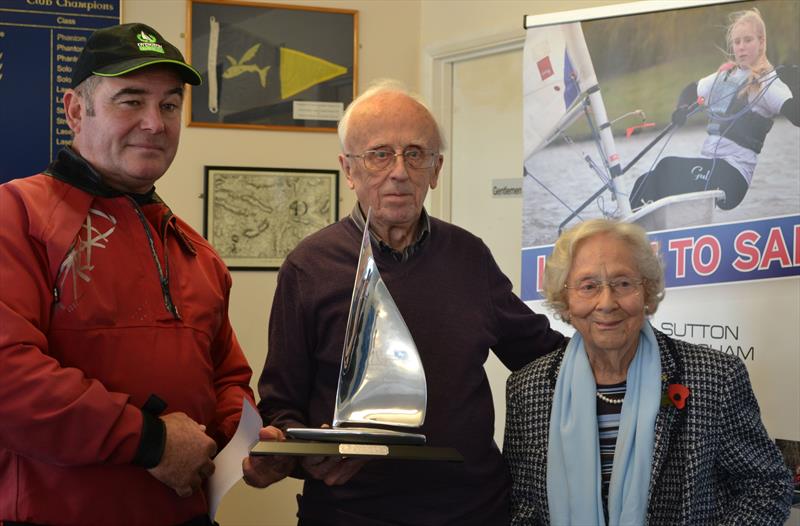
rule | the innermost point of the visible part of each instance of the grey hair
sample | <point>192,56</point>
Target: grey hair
<point>559,263</point>
<point>85,91</point>
<point>378,87</point>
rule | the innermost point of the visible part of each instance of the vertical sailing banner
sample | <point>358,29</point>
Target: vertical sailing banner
<point>716,184</point>
<point>39,44</point>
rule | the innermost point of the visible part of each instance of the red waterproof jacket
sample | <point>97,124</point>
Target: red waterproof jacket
<point>104,302</point>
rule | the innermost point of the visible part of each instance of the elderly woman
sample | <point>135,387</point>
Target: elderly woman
<point>625,425</point>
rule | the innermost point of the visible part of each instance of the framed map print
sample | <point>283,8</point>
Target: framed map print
<point>255,216</point>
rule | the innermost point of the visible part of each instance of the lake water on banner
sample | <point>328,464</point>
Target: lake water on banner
<point>775,190</point>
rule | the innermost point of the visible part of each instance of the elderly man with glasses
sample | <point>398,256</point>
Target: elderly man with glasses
<point>456,303</point>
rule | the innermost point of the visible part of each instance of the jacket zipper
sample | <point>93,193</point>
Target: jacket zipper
<point>56,290</point>
<point>163,272</point>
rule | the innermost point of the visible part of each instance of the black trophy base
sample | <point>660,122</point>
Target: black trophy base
<point>333,449</point>
<point>356,435</point>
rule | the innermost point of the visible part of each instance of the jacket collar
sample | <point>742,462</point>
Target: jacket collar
<point>555,364</point>
<point>669,418</point>
<point>69,167</point>
<point>360,219</point>
<point>72,169</point>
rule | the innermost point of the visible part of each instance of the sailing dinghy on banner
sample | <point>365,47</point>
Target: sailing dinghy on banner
<point>560,87</point>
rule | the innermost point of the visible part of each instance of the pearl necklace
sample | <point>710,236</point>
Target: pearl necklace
<point>613,401</point>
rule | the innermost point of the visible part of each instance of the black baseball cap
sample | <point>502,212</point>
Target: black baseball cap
<point>119,50</point>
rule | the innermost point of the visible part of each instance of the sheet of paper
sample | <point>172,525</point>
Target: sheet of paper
<point>228,462</point>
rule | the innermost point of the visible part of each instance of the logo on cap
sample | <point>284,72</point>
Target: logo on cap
<point>148,43</point>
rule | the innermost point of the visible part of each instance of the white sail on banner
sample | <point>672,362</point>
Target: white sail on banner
<point>557,72</point>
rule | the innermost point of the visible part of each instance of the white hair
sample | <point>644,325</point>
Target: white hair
<point>378,87</point>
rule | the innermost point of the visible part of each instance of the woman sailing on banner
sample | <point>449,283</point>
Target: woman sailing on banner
<point>741,99</point>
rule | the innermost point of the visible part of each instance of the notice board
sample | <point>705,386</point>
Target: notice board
<point>40,41</point>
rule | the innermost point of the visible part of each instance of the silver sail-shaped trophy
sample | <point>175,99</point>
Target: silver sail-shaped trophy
<point>381,380</point>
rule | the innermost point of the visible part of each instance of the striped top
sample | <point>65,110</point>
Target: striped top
<point>608,429</point>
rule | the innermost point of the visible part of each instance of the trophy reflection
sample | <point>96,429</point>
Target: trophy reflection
<point>381,380</point>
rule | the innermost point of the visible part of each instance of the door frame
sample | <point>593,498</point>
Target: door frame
<point>437,67</point>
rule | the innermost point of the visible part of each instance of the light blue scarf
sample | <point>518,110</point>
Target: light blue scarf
<point>573,450</point>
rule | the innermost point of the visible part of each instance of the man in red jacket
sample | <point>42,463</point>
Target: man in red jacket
<point>121,373</point>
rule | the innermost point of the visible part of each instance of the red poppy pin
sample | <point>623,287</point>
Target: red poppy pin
<point>677,395</point>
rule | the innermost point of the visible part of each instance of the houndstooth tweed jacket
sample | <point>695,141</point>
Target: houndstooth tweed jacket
<point>713,462</point>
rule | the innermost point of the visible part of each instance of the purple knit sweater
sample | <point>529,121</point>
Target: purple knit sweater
<point>457,305</point>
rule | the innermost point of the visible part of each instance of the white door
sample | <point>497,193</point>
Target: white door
<point>486,146</point>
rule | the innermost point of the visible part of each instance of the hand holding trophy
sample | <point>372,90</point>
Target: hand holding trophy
<point>381,383</point>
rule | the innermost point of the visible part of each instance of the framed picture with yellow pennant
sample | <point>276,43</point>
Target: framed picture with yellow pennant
<point>271,66</point>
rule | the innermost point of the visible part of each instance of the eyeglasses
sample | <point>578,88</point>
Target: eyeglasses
<point>620,287</point>
<point>384,158</point>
